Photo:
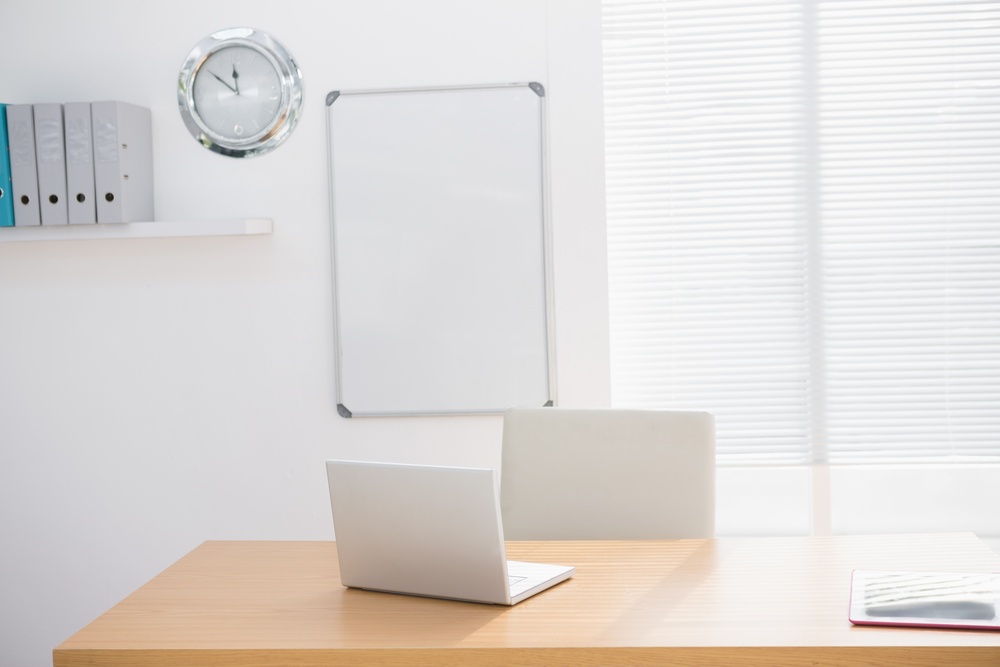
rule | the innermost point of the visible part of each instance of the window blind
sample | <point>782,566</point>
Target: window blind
<point>804,223</point>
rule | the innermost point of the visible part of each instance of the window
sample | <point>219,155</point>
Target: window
<point>804,224</point>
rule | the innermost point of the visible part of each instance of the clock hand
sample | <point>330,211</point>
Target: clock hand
<point>224,83</point>
<point>236,79</point>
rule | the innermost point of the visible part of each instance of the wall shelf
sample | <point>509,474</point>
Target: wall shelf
<point>138,230</point>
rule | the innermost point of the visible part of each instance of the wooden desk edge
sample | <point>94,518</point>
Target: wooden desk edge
<point>749,656</point>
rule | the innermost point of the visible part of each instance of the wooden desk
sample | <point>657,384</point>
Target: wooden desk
<point>767,601</point>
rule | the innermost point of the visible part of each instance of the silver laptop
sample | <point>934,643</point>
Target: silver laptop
<point>428,530</point>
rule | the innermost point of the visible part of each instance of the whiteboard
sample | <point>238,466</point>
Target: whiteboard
<point>442,288</point>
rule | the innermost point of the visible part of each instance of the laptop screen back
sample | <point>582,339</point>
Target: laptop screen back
<point>422,530</point>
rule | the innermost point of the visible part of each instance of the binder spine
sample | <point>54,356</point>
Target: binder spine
<point>6,192</point>
<point>80,203</point>
<point>24,176</point>
<point>50,151</point>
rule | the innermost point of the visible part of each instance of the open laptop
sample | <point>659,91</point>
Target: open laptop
<point>428,530</point>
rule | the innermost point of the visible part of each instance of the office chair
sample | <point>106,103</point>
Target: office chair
<point>584,474</point>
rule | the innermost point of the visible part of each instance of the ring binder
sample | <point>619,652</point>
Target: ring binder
<point>23,175</point>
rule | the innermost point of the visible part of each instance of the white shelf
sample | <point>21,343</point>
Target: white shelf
<point>138,230</point>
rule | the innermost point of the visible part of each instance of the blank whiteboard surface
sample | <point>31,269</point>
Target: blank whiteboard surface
<point>439,250</point>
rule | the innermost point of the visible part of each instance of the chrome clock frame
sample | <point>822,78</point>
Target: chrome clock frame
<point>290,104</point>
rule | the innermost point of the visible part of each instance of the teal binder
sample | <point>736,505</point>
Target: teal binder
<point>6,193</point>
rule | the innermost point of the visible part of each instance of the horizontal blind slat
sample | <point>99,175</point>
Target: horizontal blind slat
<point>734,132</point>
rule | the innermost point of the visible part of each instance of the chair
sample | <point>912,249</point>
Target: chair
<point>584,474</point>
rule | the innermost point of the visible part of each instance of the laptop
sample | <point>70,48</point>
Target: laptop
<point>428,530</point>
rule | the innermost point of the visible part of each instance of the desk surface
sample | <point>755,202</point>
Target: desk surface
<point>753,601</point>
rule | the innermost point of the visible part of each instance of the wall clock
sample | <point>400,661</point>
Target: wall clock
<point>240,92</point>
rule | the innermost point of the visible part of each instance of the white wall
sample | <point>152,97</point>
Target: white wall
<point>158,393</point>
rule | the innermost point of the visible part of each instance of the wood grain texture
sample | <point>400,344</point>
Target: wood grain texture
<point>760,601</point>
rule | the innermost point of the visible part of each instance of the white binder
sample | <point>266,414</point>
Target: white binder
<point>123,161</point>
<point>23,175</point>
<point>79,164</point>
<point>50,153</point>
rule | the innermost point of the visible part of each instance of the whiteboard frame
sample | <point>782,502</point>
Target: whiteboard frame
<point>548,319</point>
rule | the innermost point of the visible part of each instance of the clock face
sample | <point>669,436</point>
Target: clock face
<point>237,94</point>
<point>240,92</point>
